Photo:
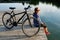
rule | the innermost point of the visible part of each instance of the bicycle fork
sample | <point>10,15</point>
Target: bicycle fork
<point>29,20</point>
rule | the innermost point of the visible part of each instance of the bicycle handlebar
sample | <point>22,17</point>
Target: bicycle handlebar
<point>26,8</point>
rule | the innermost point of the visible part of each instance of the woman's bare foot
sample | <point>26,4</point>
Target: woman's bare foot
<point>47,33</point>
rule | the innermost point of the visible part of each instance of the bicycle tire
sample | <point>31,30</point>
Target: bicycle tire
<point>11,21</point>
<point>32,28</point>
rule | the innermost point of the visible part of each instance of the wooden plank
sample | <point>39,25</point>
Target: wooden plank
<point>17,34</point>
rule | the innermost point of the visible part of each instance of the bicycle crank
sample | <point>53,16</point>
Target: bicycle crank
<point>14,23</point>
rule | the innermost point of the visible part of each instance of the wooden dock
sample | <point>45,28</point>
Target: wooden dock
<point>17,34</point>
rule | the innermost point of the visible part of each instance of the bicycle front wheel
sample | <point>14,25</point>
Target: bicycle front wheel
<point>7,20</point>
<point>28,27</point>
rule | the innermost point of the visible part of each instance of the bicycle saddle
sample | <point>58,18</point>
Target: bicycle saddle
<point>12,8</point>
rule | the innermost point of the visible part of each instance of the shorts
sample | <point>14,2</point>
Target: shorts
<point>43,25</point>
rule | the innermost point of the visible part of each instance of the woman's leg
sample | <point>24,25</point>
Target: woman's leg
<point>45,29</point>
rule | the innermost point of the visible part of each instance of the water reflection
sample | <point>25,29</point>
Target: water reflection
<point>5,6</point>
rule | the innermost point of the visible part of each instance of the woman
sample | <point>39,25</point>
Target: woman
<point>36,23</point>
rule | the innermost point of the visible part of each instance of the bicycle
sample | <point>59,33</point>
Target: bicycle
<point>27,22</point>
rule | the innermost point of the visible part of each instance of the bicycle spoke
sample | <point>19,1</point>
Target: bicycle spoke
<point>29,29</point>
<point>7,21</point>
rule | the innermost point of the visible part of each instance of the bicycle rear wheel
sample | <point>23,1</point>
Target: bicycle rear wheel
<point>28,28</point>
<point>7,20</point>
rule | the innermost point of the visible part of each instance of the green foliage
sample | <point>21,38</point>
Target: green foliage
<point>34,2</point>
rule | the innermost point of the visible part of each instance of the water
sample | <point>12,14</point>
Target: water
<point>49,14</point>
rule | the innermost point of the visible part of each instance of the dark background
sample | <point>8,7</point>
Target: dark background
<point>34,2</point>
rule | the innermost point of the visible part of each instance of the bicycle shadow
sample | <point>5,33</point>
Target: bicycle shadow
<point>4,29</point>
<point>13,37</point>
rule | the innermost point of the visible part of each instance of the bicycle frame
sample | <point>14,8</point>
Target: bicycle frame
<point>25,13</point>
